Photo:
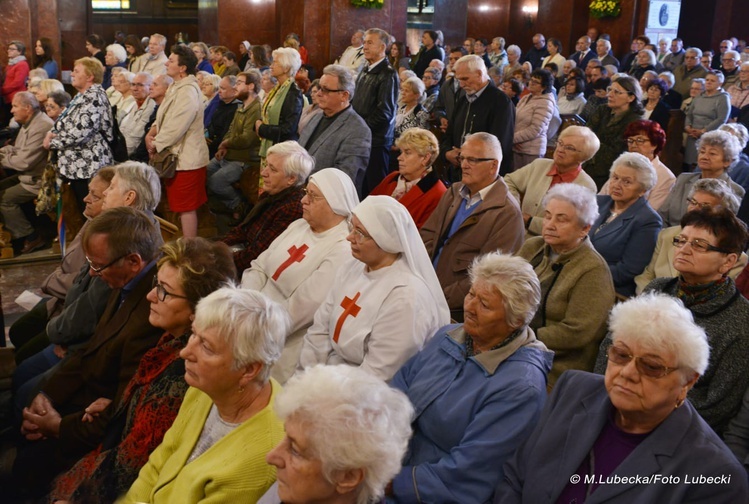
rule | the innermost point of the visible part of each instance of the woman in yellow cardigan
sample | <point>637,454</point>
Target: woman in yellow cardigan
<point>215,450</point>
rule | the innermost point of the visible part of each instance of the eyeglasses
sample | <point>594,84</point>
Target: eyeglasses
<point>646,366</point>
<point>625,182</point>
<point>137,84</point>
<point>696,203</point>
<point>472,161</point>
<point>359,235</point>
<point>98,271</point>
<point>162,293</point>
<point>612,89</point>
<point>698,245</point>
<point>312,196</point>
<point>325,90</point>
<point>637,140</point>
<point>567,147</point>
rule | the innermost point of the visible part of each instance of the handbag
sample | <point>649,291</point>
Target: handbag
<point>46,199</point>
<point>118,145</point>
<point>165,163</point>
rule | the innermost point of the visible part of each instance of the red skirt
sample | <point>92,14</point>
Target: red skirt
<point>186,191</point>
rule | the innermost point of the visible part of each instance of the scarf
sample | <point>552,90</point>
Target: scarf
<point>17,59</point>
<point>271,112</point>
<point>693,295</point>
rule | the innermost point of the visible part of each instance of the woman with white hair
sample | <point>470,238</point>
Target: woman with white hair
<point>298,268</point>
<point>346,434</point>
<point>705,193</point>
<point>283,104</point>
<point>631,424</point>
<point>739,169</point>
<point>478,388</point>
<point>411,113</point>
<point>706,113</point>
<point>216,447</point>
<point>576,287</point>
<point>627,227</point>
<point>115,57</point>
<point>382,309</point>
<point>645,62</point>
<point>286,169</point>
<point>122,83</point>
<point>513,62</point>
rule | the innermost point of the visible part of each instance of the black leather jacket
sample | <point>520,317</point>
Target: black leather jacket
<point>375,101</point>
<point>288,121</point>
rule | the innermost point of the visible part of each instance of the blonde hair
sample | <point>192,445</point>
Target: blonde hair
<point>422,141</point>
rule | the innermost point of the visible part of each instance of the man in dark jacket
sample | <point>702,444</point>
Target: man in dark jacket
<point>375,98</point>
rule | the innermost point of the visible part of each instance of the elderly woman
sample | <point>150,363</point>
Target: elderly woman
<point>134,49</point>
<point>618,425</point>
<point>56,103</point>
<point>382,309</point>
<point>283,104</point>
<point>656,109</point>
<point>209,88</point>
<point>478,388</point>
<point>41,89</point>
<point>717,150</point>
<point>529,184</point>
<point>116,56</point>
<point>81,136</point>
<point>122,83</point>
<point>113,95</point>
<point>189,269</point>
<point>200,49</point>
<point>739,169</point>
<point>215,449</point>
<point>513,61</point>
<point>178,129</point>
<point>645,62</point>
<point>706,113</point>
<point>627,227</point>
<point>705,193</point>
<point>44,57</point>
<point>431,79</point>
<point>415,185</point>
<point>327,410</point>
<point>695,89</point>
<point>647,138</point>
<point>410,113</point>
<point>554,46</point>
<point>533,115</point>
<point>624,106</point>
<point>298,268</point>
<point>576,285</point>
<point>573,101</point>
<point>715,239</point>
<point>287,167</point>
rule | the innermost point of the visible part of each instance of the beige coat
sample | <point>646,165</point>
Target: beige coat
<point>530,184</point>
<point>27,156</point>
<point>156,66</point>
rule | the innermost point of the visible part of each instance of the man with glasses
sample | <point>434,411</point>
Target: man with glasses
<point>691,69</point>
<point>538,52</point>
<point>676,56</point>
<point>339,137</point>
<point>725,46</point>
<point>475,216</point>
<point>134,123</point>
<point>730,61</point>
<point>121,247</point>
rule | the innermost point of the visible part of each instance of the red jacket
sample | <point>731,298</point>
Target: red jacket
<point>421,200</point>
<point>15,80</point>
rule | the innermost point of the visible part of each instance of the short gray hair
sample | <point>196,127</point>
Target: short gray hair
<point>719,189</point>
<point>723,139</point>
<point>516,282</point>
<point>145,75</point>
<point>694,50</point>
<point>650,54</point>
<point>514,49</point>
<point>739,131</point>
<point>668,77</point>
<point>254,326</point>
<point>646,175</point>
<point>734,54</point>
<point>296,160</point>
<point>489,142</point>
<point>605,42</point>
<point>659,324</point>
<point>591,143</point>
<point>381,34</point>
<point>19,45</point>
<point>352,420</point>
<point>473,63</point>
<point>128,76</point>
<point>436,73</point>
<point>118,52</point>
<point>580,197</point>
<point>160,39</point>
<point>27,98</point>
<point>345,78</point>
<point>231,78</point>
<point>289,59</point>
<point>417,86</point>
<point>143,180</point>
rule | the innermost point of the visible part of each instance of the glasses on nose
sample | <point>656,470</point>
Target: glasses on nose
<point>696,203</point>
<point>625,182</point>
<point>161,292</point>
<point>566,147</point>
<point>472,161</point>
<point>637,140</point>
<point>325,90</point>
<point>98,270</point>
<point>646,366</point>
<point>359,235</point>
<point>698,245</point>
<point>313,196</point>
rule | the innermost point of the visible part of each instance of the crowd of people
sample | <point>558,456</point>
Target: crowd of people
<point>428,284</point>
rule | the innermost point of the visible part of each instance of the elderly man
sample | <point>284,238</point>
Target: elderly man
<point>583,54</point>
<point>228,104</point>
<point>476,216</point>
<point>740,90</point>
<point>154,61</point>
<point>27,158</point>
<point>725,46</point>
<point>671,98</point>
<point>133,124</point>
<point>538,52</point>
<point>691,69</point>
<point>157,93</point>
<point>121,247</point>
<point>731,60</point>
<point>603,51</point>
<point>676,56</point>
<point>353,57</point>
<point>339,137</point>
<point>375,101</point>
<point>481,107</point>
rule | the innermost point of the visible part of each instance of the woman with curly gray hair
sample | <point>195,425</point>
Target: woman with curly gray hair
<point>346,434</point>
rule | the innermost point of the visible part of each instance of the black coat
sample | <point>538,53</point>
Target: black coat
<point>375,99</point>
<point>288,121</point>
<point>425,57</point>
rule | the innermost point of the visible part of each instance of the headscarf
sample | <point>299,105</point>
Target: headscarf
<point>246,44</point>
<point>338,189</point>
<point>393,230</point>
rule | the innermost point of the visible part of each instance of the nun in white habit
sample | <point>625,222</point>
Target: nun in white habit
<point>383,309</point>
<point>299,267</point>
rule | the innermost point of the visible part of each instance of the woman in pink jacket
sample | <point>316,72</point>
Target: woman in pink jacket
<point>533,115</point>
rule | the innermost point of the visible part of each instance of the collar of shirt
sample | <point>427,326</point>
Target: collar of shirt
<point>566,178</point>
<point>370,67</point>
<point>132,283</point>
<point>475,96</point>
<point>471,200</point>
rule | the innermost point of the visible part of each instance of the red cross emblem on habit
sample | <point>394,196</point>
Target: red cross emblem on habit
<point>295,255</point>
<point>349,308</point>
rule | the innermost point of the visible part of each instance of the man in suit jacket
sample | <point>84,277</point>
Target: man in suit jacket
<point>121,247</point>
<point>583,53</point>
<point>449,91</point>
<point>339,137</point>
<point>28,158</point>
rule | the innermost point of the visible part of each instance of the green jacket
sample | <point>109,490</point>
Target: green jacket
<point>243,144</point>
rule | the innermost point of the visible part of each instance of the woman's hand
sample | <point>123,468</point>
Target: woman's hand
<point>95,408</point>
<point>150,137</point>
<point>258,123</point>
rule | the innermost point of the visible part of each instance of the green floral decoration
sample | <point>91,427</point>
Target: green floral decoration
<point>605,8</point>
<point>369,4</point>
